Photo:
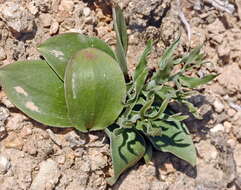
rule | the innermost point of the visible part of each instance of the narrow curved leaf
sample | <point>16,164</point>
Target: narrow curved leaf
<point>36,90</point>
<point>192,82</point>
<point>94,89</point>
<point>59,49</point>
<point>176,140</point>
<point>121,38</point>
<point>143,62</point>
<point>127,149</point>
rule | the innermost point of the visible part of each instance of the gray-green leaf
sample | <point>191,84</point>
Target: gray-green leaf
<point>36,90</point>
<point>127,149</point>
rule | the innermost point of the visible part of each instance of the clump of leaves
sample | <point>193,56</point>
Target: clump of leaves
<point>82,83</point>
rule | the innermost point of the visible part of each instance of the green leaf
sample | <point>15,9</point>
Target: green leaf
<point>192,109</point>
<point>143,62</point>
<point>37,91</point>
<point>166,63</point>
<point>94,89</point>
<point>59,49</point>
<point>127,149</point>
<point>149,152</point>
<point>176,140</point>
<point>121,37</point>
<point>192,82</point>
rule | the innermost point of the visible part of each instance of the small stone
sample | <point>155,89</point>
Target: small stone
<point>47,177</point>
<point>45,20</point>
<point>218,106</point>
<point>6,102</point>
<point>86,11</point>
<point>231,143</point>
<point>3,55</point>
<point>66,5</point>
<point>5,164</point>
<point>15,122</point>
<point>13,141</point>
<point>54,28</point>
<point>4,113</point>
<point>231,112</point>
<point>97,160</point>
<point>61,159</point>
<point>32,8</point>
<point>26,131</point>
<point>168,167</point>
<point>17,18</point>
<point>227,126</point>
<point>217,128</point>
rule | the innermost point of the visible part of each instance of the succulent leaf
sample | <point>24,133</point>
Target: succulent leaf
<point>121,37</point>
<point>176,140</point>
<point>192,82</point>
<point>94,89</point>
<point>59,49</point>
<point>127,148</point>
<point>36,90</point>
<point>143,61</point>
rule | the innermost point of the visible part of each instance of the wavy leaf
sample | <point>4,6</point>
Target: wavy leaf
<point>127,149</point>
<point>192,82</point>
<point>176,140</point>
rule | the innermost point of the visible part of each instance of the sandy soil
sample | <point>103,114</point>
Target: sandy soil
<point>38,157</point>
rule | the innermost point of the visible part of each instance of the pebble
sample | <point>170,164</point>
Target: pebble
<point>16,17</point>
<point>5,164</point>
<point>3,55</point>
<point>45,19</point>
<point>86,11</point>
<point>218,106</point>
<point>32,8</point>
<point>47,177</point>
<point>231,112</point>
<point>4,113</point>
<point>217,128</point>
<point>66,5</point>
<point>13,141</point>
<point>54,28</point>
<point>227,126</point>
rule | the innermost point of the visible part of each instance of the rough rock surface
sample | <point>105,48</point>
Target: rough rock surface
<point>34,156</point>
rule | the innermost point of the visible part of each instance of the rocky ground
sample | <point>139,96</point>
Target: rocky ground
<point>38,157</point>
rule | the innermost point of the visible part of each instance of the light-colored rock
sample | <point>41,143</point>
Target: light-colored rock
<point>47,177</point>
<point>227,126</point>
<point>66,5</point>
<point>13,141</point>
<point>17,18</point>
<point>218,106</point>
<point>97,160</point>
<point>45,19</point>
<point>54,27</point>
<point>231,112</point>
<point>86,11</point>
<point>217,128</point>
<point>32,8</point>
<point>5,164</point>
<point>3,55</point>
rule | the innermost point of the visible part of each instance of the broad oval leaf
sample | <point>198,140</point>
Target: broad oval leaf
<point>36,90</point>
<point>59,49</point>
<point>94,89</point>
<point>175,139</point>
<point>127,148</point>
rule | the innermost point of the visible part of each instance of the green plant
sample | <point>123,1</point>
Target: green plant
<point>82,83</point>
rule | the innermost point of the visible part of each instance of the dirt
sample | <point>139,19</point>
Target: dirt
<point>34,156</point>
